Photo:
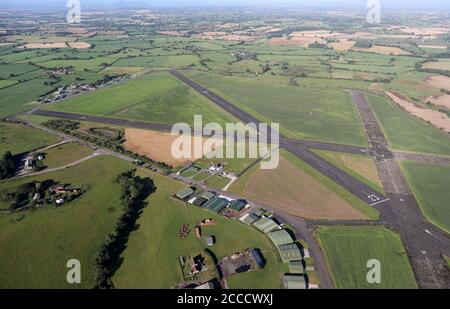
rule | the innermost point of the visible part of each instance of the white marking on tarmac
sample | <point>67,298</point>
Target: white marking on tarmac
<point>379,202</point>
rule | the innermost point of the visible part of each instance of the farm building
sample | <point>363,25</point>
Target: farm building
<point>296,267</point>
<point>237,205</point>
<point>280,237</point>
<point>216,204</point>
<point>185,194</point>
<point>259,212</point>
<point>249,219</point>
<point>208,195</point>
<point>210,241</point>
<point>265,225</point>
<point>290,252</point>
<point>294,282</point>
<point>259,259</point>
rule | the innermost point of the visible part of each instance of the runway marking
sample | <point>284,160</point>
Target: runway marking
<point>379,202</point>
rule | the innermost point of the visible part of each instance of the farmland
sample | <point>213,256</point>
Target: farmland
<point>301,113</point>
<point>430,186</point>
<point>154,97</point>
<point>151,257</point>
<point>348,249</point>
<point>65,154</point>
<point>53,235</point>
<point>312,196</point>
<point>18,139</point>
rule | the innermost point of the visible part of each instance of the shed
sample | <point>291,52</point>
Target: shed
<point>281,237</point>
<point>208,195</point>
<point>294,282</point>
<point>210,240</point>
<point>216,204</point>
<point>259,212</point>
<point>290,252</point>
<point>259,259</point>
<point>265,225</point>
<point>237,205</point>
<point>249,219</point>
<point>296,267</point>
<point>185,194</point>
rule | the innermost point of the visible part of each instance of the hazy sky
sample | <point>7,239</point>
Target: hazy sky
<point>408,4</point>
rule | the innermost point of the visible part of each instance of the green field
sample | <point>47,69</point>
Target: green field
<point>303,112</point>
<point>430,184</point>
<point>36,245</point>
<point>19,138</point>
<point>405,132</point>
<point>151,257</point>
<point>348,249</point>
<point>65,154</point>
<point>154,97</point>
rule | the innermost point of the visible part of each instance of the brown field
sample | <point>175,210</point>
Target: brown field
<point>307,198</point>
<point>318,34</point>
<point>75,30</point>
<point>443,64</point>
<point>172,33</point>
<point>384,50</point>
<point>439,82</point>
<point>297,41</point>
<point>155,145</point>
<point>342,45</point>
<point>431,32</point>
<point>436,118</point>
<point>44,45</point>
<point>79,45</point>
<point>443,100</point>
<point>433,46</point>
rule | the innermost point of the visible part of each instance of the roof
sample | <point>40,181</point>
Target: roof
<point>294,282</point>
<point>185,193</point>
<point>216,204</point>
<point>259,212</point>
<point>280,237</point>
<point>258,258</point>
<point>265,225</point>
<point>249,219</point>
<point>210,240</point>
<point>296,267</point>
<point>208,195</point>
<point>290,252</point>
<point>237,205</point>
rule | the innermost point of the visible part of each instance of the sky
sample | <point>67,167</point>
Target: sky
<point>344,4</point>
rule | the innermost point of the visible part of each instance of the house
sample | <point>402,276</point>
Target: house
<point>216,168</point>
<point>29,162</point>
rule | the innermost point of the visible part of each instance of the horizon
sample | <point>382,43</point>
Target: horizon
<point>187,4</point>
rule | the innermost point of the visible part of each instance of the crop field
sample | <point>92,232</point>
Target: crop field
<point>301,112</point>
<point>65,154</point>
<point>18,98</point>
<point>53,234</point>
<point>362,167</point>
<point>312,196</point>
<point>18,139</point>
<point>348,249</point>
<point>151,257</point>
<point>405,132</point>
<point>430,184</point>
<point>156,97</point>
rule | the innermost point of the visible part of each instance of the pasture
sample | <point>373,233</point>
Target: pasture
<point>156,97</point>
<point>36,245</point>
<point>151,257</point>
<point>18,138</point>
<point>303,112</point>
<point>430,184</point>
<point>348,249</point>
<point>65,154</point>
